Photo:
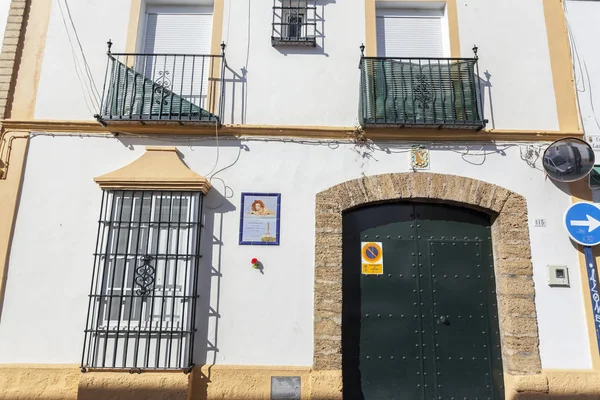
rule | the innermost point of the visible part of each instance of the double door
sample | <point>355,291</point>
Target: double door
<point>425,324</point>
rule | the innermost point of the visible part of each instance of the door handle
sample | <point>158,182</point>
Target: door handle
<point>443,320</point>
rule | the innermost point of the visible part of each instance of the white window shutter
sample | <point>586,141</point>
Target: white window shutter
<point>178,33</point>
<point>172,31</point>
<point>409,36</point>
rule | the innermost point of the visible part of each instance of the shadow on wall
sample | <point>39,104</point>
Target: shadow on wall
<point>485,91</point>
<point>149,393</point>
<point>209,279</point>
<point>319,49</point>
<point>235,89</point>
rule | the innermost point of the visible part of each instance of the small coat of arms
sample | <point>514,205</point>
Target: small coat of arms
<point>419,158</point>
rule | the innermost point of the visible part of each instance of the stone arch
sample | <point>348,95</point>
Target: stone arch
<point>512,258</point>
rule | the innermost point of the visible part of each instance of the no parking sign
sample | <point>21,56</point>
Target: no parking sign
<point>372,258</point>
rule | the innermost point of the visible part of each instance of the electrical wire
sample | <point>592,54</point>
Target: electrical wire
<point>83,86</point>
<point>218,147</point>
<point>92,102</point>
<point>580,71</point>
<point>85,63</point>
<point>398,148</point>
<point>591,95</point>
<point>288,139</point>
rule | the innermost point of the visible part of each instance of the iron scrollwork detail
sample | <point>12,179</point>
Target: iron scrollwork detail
<point>163,88</point>
<point>422,92</point>
<point>144,276</point>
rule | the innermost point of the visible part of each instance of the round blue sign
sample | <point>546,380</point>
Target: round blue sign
<point>372,252</point>
<point>582,221</point>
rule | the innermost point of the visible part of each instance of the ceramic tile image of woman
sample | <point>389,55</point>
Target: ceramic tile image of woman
<point>258,208</point>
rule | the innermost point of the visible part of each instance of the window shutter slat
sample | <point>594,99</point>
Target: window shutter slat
<point>178,33</point>
<point>405,36</point>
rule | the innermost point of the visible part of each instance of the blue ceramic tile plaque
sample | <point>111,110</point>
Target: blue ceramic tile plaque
<point>259,218</point>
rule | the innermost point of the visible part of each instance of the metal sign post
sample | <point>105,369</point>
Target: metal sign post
<point>590,264</point>
<point>582,221</point>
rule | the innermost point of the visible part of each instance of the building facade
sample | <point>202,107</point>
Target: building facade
<point>252,199</point>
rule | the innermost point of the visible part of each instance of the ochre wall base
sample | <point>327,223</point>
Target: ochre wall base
<point>554,385</point>
<point>66,382</point>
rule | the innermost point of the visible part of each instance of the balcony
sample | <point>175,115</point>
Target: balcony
<point>162,88</point>
<point>420,92</point>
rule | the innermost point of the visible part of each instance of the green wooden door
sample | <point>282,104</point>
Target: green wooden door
<point>427,326</point>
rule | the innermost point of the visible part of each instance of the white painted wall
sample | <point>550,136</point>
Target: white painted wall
<point>317,86</point>
<point>60,92</point>
<point>265,319</point>
<point>583,17</point>
<point>513,50</point>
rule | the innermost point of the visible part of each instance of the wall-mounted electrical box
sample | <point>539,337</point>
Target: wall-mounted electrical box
<point>558,275</point>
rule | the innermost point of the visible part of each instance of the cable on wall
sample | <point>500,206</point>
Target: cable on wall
<point>580,65</point>
<point>530,152</point>
<point>85,62</point>
<point>90,92</point>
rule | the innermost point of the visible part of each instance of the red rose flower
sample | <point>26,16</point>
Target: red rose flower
<point>254,261</point>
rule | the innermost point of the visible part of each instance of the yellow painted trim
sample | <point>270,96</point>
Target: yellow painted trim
<point>371,26</point>
<point>452,10</point>
<point>371,29</point>
<point>135,16</point>
<point>217,28</point>
<point>581,192</point>
<point>214,92</point>
<point>159,168</point>
<point>30,64</point>
<point>22,106</point>
<point>562,66</point>
<point>10,189</point>
<point>320,132</point>
<point>50,382</point>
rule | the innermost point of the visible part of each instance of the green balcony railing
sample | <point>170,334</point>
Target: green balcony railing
<point>420,92</point>
<point>162,87</point>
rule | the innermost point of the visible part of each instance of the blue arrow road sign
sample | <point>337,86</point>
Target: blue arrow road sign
<point>582,221</point>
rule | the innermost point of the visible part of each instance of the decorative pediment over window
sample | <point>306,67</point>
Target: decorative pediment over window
<point>159,168</point>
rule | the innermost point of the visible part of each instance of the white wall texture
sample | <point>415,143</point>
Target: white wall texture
<point>317,86</point>
<point>583,17</point>
<point>265,319</point>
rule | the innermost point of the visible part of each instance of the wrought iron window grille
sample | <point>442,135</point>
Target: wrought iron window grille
<point>177,88</point>
<point>421,92</point>
<point>294,23</point>
<point>142,303</point>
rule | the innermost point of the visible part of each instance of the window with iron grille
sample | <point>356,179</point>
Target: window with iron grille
<point>143,293</point>
<point>294,23</point>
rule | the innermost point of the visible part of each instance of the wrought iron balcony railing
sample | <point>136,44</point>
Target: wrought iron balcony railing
<point>182,88</point>
<point>421,92</point>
